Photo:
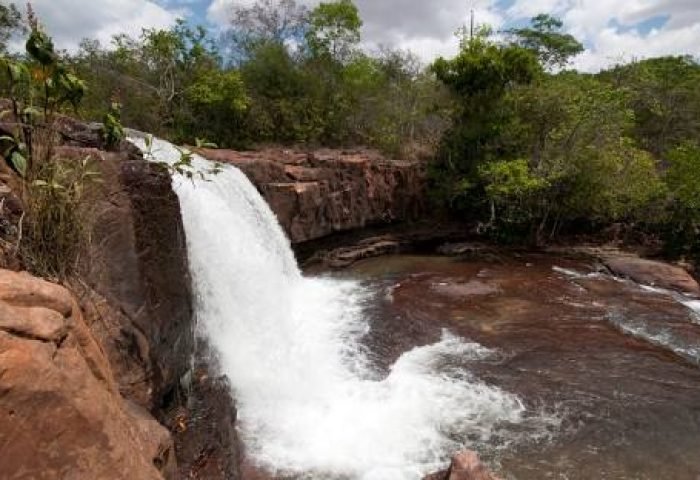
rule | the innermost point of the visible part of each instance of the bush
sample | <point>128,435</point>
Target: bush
<point>60,216</point>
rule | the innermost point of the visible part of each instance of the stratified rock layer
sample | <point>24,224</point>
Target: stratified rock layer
<point>315,194</point>
<point>62,414</point>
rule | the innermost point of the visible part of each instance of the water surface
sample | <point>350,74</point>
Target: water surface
<point>616,363</point>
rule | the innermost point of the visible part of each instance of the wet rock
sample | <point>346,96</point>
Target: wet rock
<point>137,293</point>
<point>465,466</point>
<point>465,289</point>
<point>345,257</point>
<point>315,194</point>
<point>62,414</point>
<point>654,273</point>
<point>463,248</point>
<point>137,299</point>
<point>204,425</point>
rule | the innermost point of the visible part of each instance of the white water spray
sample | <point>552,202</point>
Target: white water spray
<point>308,403</point>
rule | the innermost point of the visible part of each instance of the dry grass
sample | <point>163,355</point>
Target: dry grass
<point>58,198</point>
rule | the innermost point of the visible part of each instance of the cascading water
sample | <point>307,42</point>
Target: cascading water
<point>308,401</point>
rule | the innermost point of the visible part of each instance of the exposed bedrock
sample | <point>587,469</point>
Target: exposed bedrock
<point>135,314</point>
<point>62,413</point>
<point>315,194</point>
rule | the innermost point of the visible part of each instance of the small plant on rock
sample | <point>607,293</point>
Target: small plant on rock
<point>54,190</point>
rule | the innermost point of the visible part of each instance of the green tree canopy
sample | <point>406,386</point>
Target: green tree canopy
<point>544,36</point>
<point>334,30</point>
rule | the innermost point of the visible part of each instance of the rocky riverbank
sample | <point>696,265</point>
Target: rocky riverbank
<point>322,192</point>
<point>102,377</point>
<point>111,387</point>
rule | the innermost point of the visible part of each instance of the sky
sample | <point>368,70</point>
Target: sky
<point>611,30</point>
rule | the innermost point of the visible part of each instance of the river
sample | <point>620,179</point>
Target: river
<point>383,371</point>
<point>615,362</point>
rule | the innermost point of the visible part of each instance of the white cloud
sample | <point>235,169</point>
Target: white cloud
<point>590,20</point>
<point>612,47</point>
<point>608,28</point>
<point>69,21</point>
<point>426,28</point>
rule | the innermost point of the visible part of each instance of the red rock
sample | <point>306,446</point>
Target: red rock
<point>63,416</point>
<point>137,293</point>
<point>315,194</point>
<point>465,466</point>
<point>654,273</point>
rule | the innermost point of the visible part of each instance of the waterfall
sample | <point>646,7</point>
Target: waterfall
<point>308,401</point>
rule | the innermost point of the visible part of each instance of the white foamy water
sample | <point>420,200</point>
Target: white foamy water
<point>657,334</point>
<point>693,304</point>
<point>307,400</point>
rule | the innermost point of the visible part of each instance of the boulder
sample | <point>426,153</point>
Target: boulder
<point>62,414</point>
<point>465,466</point>
<point>315,194</point>
<point>651,272</point>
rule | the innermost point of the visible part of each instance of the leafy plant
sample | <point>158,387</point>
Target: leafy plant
<point>55,191</point>
<point>58,226</point>
<point>184,164</point>
<point>112,130</point>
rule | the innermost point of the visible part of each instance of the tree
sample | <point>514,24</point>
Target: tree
<point>573,130</point>
<point>168,82</point>
<point>682,178</point>
<point>10,24</point>
<point>665,100</point>
<point>480,76</point>
<point>334,30</point>
<point>554,48</point>
<point>266,21</point>
<point>281,97</point>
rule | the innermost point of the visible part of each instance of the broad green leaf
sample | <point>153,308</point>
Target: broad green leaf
<point>19,162</point>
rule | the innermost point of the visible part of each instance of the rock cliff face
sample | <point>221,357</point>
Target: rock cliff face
<point>87,384</point>
<point>62,414</point>
<point>315,194</point>
<point>138,302</point>
<point>136,278</point>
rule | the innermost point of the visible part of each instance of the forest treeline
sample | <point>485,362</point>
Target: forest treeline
<point>515,140</point>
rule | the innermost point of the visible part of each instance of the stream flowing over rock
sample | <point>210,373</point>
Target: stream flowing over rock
<point>381,372</point>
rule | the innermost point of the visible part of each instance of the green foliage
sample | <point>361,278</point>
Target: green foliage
<point>681,229</point>
<point>10,24</point>
<point>554,48</point>
<point>282,75</point>
<point>57,227</point>
<point>334,30</point>
<point>112,129</point>
<point>184,166</point>
<point>530,152</point>
<point>683,178</point>
<point>56,192</point>
<point>169,82</point>
<point>39,86</point>
<point>665,100</point>
<point>510,179</point>
<point>15,153</point>
<point>480,77</point>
